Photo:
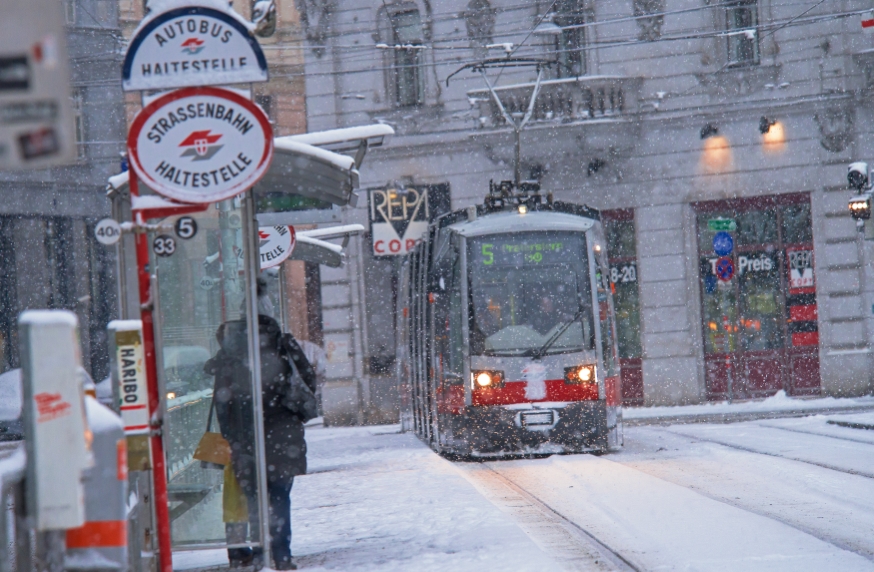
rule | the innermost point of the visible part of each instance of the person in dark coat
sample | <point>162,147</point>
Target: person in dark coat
<point>287,383</point>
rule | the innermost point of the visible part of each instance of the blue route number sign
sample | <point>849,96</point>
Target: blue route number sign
<point>723,243</point>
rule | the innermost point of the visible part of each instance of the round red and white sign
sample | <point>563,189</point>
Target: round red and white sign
<point>276,244</point>
<point>200,144</point>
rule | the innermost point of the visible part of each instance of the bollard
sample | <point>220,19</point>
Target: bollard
<point>54,418</point>
<point>55,429</point>
<point>101,543</point>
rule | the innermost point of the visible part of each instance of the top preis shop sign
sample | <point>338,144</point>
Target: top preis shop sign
<point>192,46</point>
<point>200,144</point>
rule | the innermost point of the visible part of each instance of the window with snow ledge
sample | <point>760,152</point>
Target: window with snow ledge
<point>570,17</point>
<point>400,31</point>
<point>742,21</point>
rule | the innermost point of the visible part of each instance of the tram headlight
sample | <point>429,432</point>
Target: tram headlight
<point>580,374</point>
<point>483,379</point>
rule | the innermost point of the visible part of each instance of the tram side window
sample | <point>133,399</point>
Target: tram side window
<point>447,317</point>
<point>608,335</point>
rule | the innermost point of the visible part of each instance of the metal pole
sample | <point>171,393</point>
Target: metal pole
<point>159,470</point>
<point>517,163</point>
<point>253,267</point>
<point>863,290</point>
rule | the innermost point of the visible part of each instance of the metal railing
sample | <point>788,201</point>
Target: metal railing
<point>561,100</point>
<point>16,542</point>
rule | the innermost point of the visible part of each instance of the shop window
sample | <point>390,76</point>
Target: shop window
<point>622,259</point>
<point>742,21</point>
<point>758,297</point>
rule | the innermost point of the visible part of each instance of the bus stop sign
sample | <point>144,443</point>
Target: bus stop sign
<point>190,46</point>
<point>200,144</point>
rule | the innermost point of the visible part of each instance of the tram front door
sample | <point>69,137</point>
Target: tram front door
<point>758,303</point>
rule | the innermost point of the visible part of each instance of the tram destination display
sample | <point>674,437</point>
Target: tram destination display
<point>513,251</point>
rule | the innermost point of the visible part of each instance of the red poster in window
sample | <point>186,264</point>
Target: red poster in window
<point>801,274</point>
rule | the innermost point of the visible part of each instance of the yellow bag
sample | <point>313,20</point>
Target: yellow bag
<point>213,448</point>
<point>235,507</point>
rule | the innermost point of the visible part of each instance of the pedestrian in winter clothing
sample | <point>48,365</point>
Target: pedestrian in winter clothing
<point>288,383</point>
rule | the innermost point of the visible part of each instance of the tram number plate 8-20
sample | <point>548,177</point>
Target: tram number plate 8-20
<point>624,273</point>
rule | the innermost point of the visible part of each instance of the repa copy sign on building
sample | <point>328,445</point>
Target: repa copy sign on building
<point>192,46</point>
<point>200,145</point>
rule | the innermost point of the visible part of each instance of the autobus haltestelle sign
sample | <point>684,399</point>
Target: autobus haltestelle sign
<point>191,46</point>
<point>200,144</point>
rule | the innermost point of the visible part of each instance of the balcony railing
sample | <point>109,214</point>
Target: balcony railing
<point>561,100</point>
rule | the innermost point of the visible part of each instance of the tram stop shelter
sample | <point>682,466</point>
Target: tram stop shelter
<point>202,276</point>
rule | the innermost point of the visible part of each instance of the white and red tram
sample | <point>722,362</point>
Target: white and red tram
<point>508,343</point>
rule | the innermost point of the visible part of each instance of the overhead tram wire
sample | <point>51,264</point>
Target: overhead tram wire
<point>795,21</point>
<point>621,43</point>
<point>453,16</point>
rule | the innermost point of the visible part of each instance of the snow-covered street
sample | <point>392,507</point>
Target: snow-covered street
<point>769,494</point>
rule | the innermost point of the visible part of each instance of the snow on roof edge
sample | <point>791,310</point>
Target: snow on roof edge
<point>340,161</point>
<point>342,135</point>
<point>120,180</point>
<point>124,325</point>
<point>48,317</point>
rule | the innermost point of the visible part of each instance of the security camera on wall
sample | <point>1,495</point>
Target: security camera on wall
<point>857,175</point>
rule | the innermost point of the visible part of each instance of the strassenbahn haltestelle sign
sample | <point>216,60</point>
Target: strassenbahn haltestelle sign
<point>200,144</point>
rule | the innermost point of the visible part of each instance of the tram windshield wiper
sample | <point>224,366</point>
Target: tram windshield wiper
<point>554,337</point>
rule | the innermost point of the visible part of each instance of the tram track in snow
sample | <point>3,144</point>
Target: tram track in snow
<point>573,547</point>
<point>697,437</point>
<point>817,433</point>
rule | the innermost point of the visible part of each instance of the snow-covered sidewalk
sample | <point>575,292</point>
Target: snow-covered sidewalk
<point>779,405</point>
<point>377,499</point>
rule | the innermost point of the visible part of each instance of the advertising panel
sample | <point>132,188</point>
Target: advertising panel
<point>399,216</point>
<point>37,128</point>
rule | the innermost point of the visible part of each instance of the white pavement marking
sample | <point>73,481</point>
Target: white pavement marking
<point>833,506</point>
<point>656,524</point>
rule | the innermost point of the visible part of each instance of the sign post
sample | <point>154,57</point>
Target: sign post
<point>200,144</point>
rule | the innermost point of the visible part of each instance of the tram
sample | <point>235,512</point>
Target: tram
<point>507,334</point>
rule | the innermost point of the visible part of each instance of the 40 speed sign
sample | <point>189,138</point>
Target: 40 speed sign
<point>200,144</point>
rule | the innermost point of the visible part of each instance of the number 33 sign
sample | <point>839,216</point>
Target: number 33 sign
<point>164,245</point>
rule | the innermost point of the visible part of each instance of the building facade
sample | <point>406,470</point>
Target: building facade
<point>49,257</point>
<point>684,122</point>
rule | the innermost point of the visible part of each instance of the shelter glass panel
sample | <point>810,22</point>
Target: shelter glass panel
<point>202,334</point>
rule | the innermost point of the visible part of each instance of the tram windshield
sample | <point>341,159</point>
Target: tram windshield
<point>527,287</point>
